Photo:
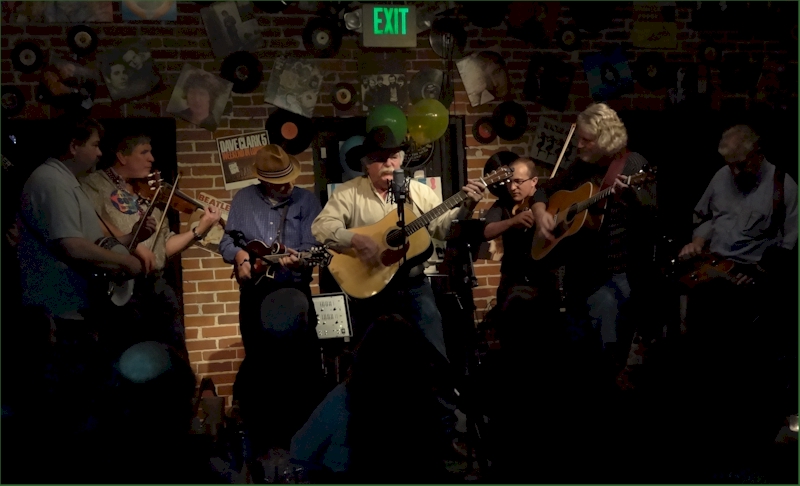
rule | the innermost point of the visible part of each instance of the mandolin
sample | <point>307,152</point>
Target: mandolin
<point>570,210</point>
<point>264,259</point>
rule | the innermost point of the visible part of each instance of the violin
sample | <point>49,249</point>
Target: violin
<point>146,188</point>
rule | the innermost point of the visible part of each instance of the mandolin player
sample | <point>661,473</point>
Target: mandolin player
<point>113,195</point>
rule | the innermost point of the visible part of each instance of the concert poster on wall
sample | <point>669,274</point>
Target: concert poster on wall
<point>548,142</point>
<point>211,241</point>
<point>237,155</point>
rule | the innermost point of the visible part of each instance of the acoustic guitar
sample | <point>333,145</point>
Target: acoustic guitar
<point>570,210</point>
<point>360,280</point>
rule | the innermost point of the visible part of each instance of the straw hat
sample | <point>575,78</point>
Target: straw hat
<point>275,166</point>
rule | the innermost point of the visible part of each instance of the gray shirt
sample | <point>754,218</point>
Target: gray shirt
<point>53,207</point>
<point>736,224</point>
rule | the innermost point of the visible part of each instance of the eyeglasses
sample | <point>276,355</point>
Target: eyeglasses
<point>519,182</point>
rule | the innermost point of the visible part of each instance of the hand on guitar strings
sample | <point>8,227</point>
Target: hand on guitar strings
<point>292,261</point>
<point>147,257</point>
<point>545,224</point>
<point>620,189</point>
<point>742,279</point>
<point>692,249</point>
<point>474,190</point>
<point>366,249</point>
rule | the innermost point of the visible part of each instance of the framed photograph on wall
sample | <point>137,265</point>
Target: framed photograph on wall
<point>384,89</point>
<point>231,27</point>
<point>128,70</point>
<point>199,97</point>
<point>294,86</point>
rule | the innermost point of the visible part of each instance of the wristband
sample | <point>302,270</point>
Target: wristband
<point>244,261</point>
<point>197,237</point>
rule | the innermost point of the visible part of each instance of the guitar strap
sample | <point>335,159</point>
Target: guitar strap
<point>283,222</point>
<point>778,205</point>
<point>615,169</point>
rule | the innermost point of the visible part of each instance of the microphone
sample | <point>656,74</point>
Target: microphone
<point>399,186</point>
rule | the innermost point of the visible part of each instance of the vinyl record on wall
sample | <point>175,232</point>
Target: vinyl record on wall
<point>13,101</point>
<point>343,96</point>
<point>243,70</point>
<point>448,35</point>
<point>291,131</point>
<point>568,38</point>
<point>322,37</point>
<point>426,84</point>
<point>483,130</point>
<point>82,40</point>
<point>709,53</point>
<point>510,120</point>
<point>27,57</point>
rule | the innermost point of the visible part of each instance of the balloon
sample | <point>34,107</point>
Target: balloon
<point>347,172</point>
<point>427,120</point>
<point>390,116</point>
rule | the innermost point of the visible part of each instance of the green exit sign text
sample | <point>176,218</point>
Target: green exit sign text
<point>389,26</point>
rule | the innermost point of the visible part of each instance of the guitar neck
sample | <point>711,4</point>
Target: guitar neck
<point>586,203</point>
<point>434,213</point>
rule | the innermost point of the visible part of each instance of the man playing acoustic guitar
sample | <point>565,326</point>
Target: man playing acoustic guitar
<point>604,267</point>
<point>365,201</point>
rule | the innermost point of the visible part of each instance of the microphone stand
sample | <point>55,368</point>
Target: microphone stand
<point>399,194</point>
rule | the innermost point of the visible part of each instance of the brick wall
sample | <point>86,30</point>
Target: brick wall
<point>210,296</point>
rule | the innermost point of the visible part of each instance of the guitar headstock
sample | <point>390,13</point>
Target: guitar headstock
<point>502,174</point>
<point>646,174</point>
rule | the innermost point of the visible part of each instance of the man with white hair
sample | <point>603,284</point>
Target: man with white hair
<point>603,267</point>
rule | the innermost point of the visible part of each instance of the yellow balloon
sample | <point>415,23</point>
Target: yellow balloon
<point>427,121</point>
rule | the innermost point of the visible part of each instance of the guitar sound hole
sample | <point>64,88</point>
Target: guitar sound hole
<point>395,238</point>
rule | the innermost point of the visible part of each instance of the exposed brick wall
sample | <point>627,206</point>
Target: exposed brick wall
<point>210,296</point>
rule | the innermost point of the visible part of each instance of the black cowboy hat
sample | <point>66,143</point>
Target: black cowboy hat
<point>379,144</point>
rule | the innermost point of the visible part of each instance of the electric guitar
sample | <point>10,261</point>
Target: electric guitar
<point>264,259</point>
<point>570,210</point>
<point>360,280</point>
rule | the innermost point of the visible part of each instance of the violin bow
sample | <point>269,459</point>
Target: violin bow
<point>134,240</point>
<point>563,150</point>
<point>164,213</point>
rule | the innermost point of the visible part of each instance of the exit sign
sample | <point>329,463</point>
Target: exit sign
<point>389,26</point>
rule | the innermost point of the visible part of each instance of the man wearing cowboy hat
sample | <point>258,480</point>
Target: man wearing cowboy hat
<point>113,197</point>
<point>364,201</point>
<point>276,210</point>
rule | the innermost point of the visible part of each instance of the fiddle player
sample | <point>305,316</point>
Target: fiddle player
<point>513,220</point>
<point>112,193</point>
<point>275,210</point>
<point>605,268</point>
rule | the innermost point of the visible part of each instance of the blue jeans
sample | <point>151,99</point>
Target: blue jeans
<point>604,306</point>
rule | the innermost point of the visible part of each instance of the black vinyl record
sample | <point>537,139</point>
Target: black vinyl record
<point>82,40</point>
<point>483,130</point>
<point>448,36</point>
<point>485,15</point>
<point>322,37</point>
<point>273,6</point>
<point>568,38</point>
<point>343,96</point>
<point>709,53</point>
<point>510,120</point>
<point>243,70</point>
<point>27,57</point>
<point>426,84</point>
<point>593,16</point>
<point>418,155</point>
<point>13,101</point>
<point>291,131</point>
<point>492,164</point>
<point>650,71</point>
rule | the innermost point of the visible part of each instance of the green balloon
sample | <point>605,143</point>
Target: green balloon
<point>427,120</point>
<point>390,116</point>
